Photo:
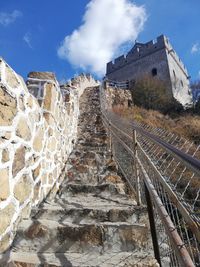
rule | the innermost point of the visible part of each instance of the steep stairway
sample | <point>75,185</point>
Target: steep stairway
<point>93,220</point>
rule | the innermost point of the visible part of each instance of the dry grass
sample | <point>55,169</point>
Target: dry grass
<point>187,126</point>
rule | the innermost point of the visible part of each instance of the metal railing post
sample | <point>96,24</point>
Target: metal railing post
<point>177,229</point>
<point>110,142</point>
<point>136,170</point>
<point>152,225</point>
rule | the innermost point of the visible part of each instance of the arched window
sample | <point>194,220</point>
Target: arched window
<point>181,83</point>
<point>174,74</point>
<point>154,72</point>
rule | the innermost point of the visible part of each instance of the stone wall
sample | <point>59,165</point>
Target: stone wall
<point>114,97</point>
<point>143,67</point>
<point>180,80</point>
<point>38,127</point>
<point>138,51</point>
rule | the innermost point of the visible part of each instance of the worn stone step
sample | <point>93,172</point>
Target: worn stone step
<point>86,215</point>
<point>91,201</point>
<point>91,221</point>
<point>93,148</point>
<point>97,189</point>
<point>51,236</point>
<point>123,259</point>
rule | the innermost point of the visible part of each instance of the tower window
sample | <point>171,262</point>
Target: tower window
<point>174,74</point>
<point>181,83</point>
<point>154,72</point>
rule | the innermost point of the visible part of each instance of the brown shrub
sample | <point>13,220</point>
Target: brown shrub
<point>151,93</point>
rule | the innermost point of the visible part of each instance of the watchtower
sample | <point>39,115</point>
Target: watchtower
<point>157,59</point>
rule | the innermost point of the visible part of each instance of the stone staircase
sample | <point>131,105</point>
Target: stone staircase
<point>93,220</point>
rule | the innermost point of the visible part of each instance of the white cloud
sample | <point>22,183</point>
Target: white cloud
<point>107,25</point>
<point>8,18</point>
<point>27,39</point>
<point>195,48</point>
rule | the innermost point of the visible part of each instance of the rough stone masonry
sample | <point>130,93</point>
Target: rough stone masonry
<point>93,220</point>
<point>38,129</point>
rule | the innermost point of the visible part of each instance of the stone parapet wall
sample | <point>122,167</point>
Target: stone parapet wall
<point>114,98</point>
<point>141,50</point>
<point>38,128</point>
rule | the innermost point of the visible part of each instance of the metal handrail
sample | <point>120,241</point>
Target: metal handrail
<point>189,161</point>
<point>192,163</point>
<point>119,84</point>
<point>183,210</point>
<point>178,244</point>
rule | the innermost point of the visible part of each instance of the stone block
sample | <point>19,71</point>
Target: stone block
<point>23,129</point>
<point>50,131</point>
<point>4,184</point>
<point>42,75</point>
<point>19,160</point>
<point>67,98</point>
<point>23,264</point>
<point>25,214</point>
<point>49,118</point>
<point>21,103</point>
<point>52,144</point>
<point>8,108</point>
<point>44,179</point>
<point>11,78</point>
<point>38,140</point>
<point>30,102</point>
<point>30,161</point>
<point>81,168</point>
<point>68,108</point>
<point>23,188</point>
<point>36,191</point>
<point>36,171</point>
<point>5,155</point>
<point>36,230</point>
<point>50,179</point>
<point>5,243</point>
<point>6,215</point>
<point>50,97</point>
<point>34,117</point>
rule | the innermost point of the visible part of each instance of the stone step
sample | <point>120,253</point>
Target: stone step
<point>91,201</point>
<point>123,259</point>
<point>98,189</point>
<point>50,236</point>
<point>84,216</point>
<point>93,148</point>
<point>91,221</point>
<point>93,145</point>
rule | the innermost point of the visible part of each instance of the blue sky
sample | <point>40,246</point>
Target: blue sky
<point>32,33</point>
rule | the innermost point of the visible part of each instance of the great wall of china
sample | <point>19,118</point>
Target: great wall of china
<point>77,182</point>
<point>37,135</point>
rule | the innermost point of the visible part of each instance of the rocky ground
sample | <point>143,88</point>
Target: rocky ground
<point>92,221</point>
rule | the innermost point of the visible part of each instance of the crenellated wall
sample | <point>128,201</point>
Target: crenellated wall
<point>154,59</point>
<point>141,50</point>
<point>38,127</point>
